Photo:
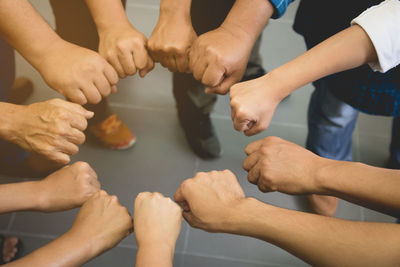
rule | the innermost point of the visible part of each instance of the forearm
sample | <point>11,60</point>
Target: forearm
<point>26,31</point>
<point>7,123</point>
<point>248,18</point>
<point>348,49</point>
<point>319,240</point>
<point>179,9</point>
<point>145,255</point>
<point>107,14</point>
<point>65,251</point>
<point>372,187</point>
<point>20,197</point>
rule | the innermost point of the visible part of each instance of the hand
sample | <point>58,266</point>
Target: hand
<point>67,188</point>
<point>53,128</point>
<point>79,74</point>
<point>253,104</point>
<point>219,58</point>
<point>102,222</point>
<point>125,49</point>
<point>157,220</point>
<point>210,199</point>
<point>278,165</point>
<point>170,43</point>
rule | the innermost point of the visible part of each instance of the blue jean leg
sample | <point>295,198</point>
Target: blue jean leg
<point>331,124</point>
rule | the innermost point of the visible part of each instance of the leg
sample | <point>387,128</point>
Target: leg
<point>331,123</point>
<point>394,160</point>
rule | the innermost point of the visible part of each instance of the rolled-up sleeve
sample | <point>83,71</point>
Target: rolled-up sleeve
<point>382,24</point>
<point>280,7</point>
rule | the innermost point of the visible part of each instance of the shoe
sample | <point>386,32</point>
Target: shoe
<point>113,133</point>
<point>21,90</point>
<point>201,136</point>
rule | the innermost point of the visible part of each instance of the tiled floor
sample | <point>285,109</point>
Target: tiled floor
<point>161,159</point>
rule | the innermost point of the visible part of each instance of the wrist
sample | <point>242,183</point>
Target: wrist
<point>104,27</point>
<point>175,9</point>
<point>323,170</point>
<point>10,121</point>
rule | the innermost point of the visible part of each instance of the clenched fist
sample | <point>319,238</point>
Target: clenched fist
<point>171,41</point>
<point>125,49</point>
<point>67,188</point>
<point>157,220</point>
<point>253,104</point>
<point>53,128</point>
<point>219,58</point>
<point>103,222</point>
<point>274,164</point>
<point>209,199</point>
<point>79,74</point>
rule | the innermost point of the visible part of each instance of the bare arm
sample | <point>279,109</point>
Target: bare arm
<point>20,196</point>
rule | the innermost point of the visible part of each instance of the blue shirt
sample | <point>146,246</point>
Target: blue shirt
<point>368,91</point>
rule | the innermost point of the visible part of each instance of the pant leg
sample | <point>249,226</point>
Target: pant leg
<point>206,15</point>
<point>331,124</point>
<point>10,154</point>
<point>394,160</point>
<point>75,24</point>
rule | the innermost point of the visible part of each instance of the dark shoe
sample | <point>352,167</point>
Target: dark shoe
<point>201,136</point>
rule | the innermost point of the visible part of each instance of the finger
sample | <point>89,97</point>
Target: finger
<point>59,157</point>
<point>76,137</point>
<point>178,196</point>
<point>254,129</point>
<point>75,108</point>
<point>241,125</point>
<point>103,85</point>
<point>213,75</point>
<point>189,218</point>
<point>254,146</point>
<point>263,188</point>
<point>223,87</point>
<point>67,147</point>
<point>140,58</point>
<point>250,161</point>
<point>127,62</point>
<point>182,63</point>
<point>117,66</point>
<point>199,69</point>
<point>254,174</point>
<point>77,121</point>
<point>77,96</point>
<point>172,64</point>
<point>92,94</point>
<point>148,68</point>
<point>111,75</point>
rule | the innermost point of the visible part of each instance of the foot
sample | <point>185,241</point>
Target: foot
<point>10,249</point>
<point>21,90</point>
<point>113,133</point>
<point>323,205</point>
<point>201,136</point>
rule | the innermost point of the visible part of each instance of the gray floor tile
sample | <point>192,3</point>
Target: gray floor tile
<point>4,221</point>
<point>374,216</point>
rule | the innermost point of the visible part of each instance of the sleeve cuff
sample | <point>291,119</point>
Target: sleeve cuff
<point>280,7</point>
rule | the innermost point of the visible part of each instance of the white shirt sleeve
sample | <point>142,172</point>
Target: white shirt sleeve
<point>382,24</point>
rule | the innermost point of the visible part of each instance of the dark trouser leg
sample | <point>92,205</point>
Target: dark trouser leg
<point>394,161</point>
<point>74,24</point>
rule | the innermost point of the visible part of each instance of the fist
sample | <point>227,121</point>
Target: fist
<point>218,59</point>
<point>253,104</point>
<point>274,164</point>
<point>157,219</point>
<point>170,43</point>
<point>79,74</point>
<point>209,199</point>
<point>53,128</point>
<point>125,49</point>
<point>68,187</point>
<point>103,222</point>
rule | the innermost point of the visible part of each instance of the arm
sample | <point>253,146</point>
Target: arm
<point>157,226</point>
<point>252,112</point>
<point>64,189</point>
<point>219,58</point>
<point>101,224</point>
<point>121,44</point>
<point>173,35</point>
<point>274,164</point>
<point>53,128</point>
<point>215,202</point>
<point>77,73</point>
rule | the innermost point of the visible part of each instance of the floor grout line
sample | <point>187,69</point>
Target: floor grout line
<point>11,222</point>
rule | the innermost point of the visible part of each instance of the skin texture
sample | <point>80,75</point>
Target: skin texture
<point>80,74</point>
<point>219,58</point>
<point>173,36</point>
<point>121,44</point>
<point>215,202</point>
<point>64,189</point>
<point>52,129</point>
<point>157,223</point>
<point>252,112</point>
<point>101,224</point>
